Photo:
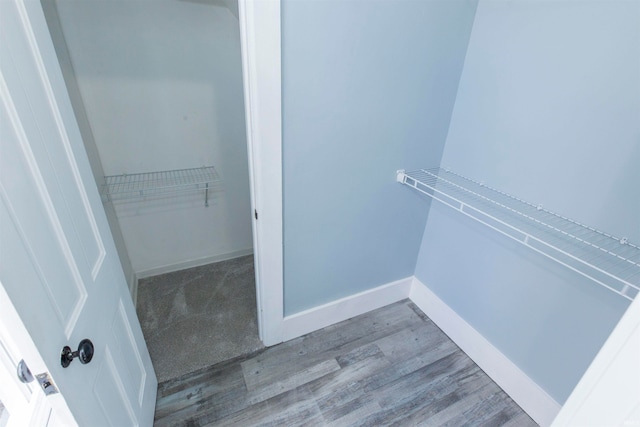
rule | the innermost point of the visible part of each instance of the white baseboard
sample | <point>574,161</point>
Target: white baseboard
<point>522,389</point>
<point>328,314</point>
<point>191,263</point>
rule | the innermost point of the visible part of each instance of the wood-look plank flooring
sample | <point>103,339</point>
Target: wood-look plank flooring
<point>392,366</point>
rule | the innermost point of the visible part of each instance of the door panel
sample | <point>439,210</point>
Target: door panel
<point>125,344</point>
<point>24,184</point>
<point>109,385</point>
<point>58,260</point>
<point>56,150</point>
<point>26,160</point>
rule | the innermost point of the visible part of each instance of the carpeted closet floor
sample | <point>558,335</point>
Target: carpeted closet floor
<point>199,317</point>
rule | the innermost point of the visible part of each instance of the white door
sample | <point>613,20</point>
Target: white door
<point>24,404</point>
<point>57,258</point>
<point>260,44</point>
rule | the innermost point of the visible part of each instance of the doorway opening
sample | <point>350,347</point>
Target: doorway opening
<point>157,89</point>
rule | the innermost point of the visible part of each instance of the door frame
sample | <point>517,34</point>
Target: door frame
<point>610,383</point>
<point>260,37</point>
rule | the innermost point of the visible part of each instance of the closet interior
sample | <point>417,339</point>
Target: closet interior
<point>157,91</point>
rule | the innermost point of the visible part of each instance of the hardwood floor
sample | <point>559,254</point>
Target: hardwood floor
<point>391,366</point>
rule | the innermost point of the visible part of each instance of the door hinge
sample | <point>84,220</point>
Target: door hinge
<point>255,213</point>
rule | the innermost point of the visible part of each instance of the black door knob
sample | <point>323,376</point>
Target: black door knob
<point>84,353</point>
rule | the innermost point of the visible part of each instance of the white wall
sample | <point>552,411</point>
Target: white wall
<point>548,109</point>
<point>162,85</point>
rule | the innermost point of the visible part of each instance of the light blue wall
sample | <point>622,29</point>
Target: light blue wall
<point>548,109</point>
<point>368,87</point>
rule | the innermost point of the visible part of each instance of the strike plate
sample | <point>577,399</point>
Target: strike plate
<point>46,383</point>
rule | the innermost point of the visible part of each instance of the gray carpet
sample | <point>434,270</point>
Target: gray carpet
<point>199,317</point>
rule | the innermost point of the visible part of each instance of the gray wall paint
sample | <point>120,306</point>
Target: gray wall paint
<point>548,109</point>
<point>368,88</point>
<point>53,22</point>
<point>162,85</point>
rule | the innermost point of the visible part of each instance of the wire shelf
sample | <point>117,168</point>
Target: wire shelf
<point>607,260</point>
<point>141,185</point>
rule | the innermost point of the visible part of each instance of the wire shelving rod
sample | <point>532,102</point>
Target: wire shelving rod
<point>141,185</point>
<point>609,261</point>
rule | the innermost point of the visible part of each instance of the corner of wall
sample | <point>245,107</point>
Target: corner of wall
<point>334,312</point>
<point>450,119</point>
<point>517,384</point>
<point>464,61</point>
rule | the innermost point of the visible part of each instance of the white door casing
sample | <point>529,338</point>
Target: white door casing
<point>608,394</point>
<point>260,45</point>
<point>58,262</point>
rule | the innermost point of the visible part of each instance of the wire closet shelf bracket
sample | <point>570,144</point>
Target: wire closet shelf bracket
<point>141,185</point>
<point>609,261</point>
